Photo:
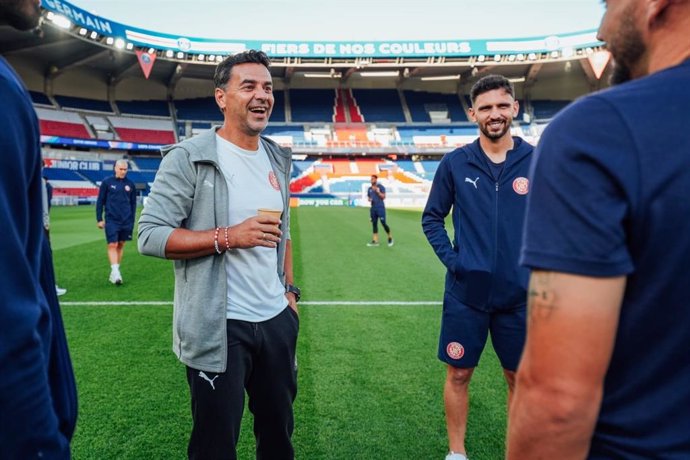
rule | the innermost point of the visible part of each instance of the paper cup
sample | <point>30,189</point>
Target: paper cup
<point>270,212</point>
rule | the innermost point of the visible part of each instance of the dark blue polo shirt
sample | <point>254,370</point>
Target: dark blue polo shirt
<point>611,196</point>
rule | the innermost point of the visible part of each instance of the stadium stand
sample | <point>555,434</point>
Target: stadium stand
<point>147,163</point>
<point>80,103</point>
<point>198,109</point>
<point>39,98</point>
<point>144,130</point>
<point>144,108</point>
<point>312,105</point>
<point>380,105</point>
<point>435,107</point>
<point>69,183</point>
<point>278,113</point>
<point>61,123</point>
<point>545,110</point>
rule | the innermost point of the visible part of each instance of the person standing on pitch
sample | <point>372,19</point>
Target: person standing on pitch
<point>606,369</point>
<point>235,308</point>
<point>38,397</point>
<point>376,194</point>
<point>47,196</point>
<point>118,196</point>
<point>485,184</point>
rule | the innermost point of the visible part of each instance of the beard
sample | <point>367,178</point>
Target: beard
<point>495,134</point>
<point>22,15</point>
<point>627,49</point>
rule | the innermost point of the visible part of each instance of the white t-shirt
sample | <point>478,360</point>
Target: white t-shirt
<point>255,292</point>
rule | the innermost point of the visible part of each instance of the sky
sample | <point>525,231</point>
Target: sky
<point>352,20</point>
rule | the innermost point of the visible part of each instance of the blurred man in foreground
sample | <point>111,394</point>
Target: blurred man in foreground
<point>38,401</point>
<point>606,369</point>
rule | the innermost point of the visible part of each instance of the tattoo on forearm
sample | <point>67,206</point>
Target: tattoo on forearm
<point>541,300</point>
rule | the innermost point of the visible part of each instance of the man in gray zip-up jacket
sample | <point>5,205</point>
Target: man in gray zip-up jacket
<point>235,317</point>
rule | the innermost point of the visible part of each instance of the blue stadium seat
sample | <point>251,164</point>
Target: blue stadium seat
<point>312,105</point>
<point>150,108</point>
<point>84,104</point>
<point>39,98</point>
<point>419,101</point>
<point>377,105</point>
<point>203,108</point>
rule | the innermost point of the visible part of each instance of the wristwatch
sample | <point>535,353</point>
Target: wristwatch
<point>295,290</point>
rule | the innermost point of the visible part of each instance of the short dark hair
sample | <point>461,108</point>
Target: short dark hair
<point>375,176</point>
<point>222,74</point>
<point>490,83</point>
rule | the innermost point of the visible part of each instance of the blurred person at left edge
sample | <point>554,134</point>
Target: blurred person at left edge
<point>38,400</point>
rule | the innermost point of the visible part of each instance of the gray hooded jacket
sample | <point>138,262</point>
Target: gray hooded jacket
<point>190,192</point>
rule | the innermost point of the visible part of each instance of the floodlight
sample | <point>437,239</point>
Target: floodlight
<point>520,57</point>
<point>152,51</point>
<point>532,56</point>
<point>119,43</point>
<point>380,73</point>
<point>61,21</point>
<point>568,51</point>
<point>180,55</point>
<point>82,32</point>
<point>497,57</point>
<point>109,41</point>
<point>481,58</point>
<point>169,53</point>
<point>441,78</point>
<point>130,46</point>
<point>200,57</point>
<point>555,54</point>
<point>93,35</point>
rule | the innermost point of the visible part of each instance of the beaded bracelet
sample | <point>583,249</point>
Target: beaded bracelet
<point>215,241</point>
<point>227,239</point>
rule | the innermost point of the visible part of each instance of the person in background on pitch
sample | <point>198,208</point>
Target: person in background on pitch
<point>38,398</point>
<point>235,308</point>
<point>606,370</point>
<point>47,195</point>
<point>485,184</point>
<point>118,196</point>
<point>377,194</point>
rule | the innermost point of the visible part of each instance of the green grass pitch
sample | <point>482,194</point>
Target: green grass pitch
<point>370,385</point>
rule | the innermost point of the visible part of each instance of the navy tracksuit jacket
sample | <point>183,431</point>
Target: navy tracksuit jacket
<point>482,260</point>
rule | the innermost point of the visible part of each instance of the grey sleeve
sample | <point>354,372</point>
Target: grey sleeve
<point>169,203</point>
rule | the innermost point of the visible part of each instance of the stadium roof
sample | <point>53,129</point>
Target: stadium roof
<point>453,40</point>
<point>337,20</point>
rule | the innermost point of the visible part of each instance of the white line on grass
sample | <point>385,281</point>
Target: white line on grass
<point>312,302</point>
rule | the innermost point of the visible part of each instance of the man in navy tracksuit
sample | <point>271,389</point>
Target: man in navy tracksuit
<point>118,196</point>
<point>485,184</point>
<point>38,399</point>
<point>376,194</point>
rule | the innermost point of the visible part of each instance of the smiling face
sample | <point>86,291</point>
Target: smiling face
<point>247,99</point>
<point>493,111</point>
<point>20,14</point>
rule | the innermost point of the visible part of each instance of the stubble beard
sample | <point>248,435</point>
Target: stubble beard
<point>23,15</point>
<point>627,50</point>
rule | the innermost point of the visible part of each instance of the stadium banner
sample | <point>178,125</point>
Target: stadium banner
<point>73,165</point>
<point>98,143</point>
<point>336,49</point>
